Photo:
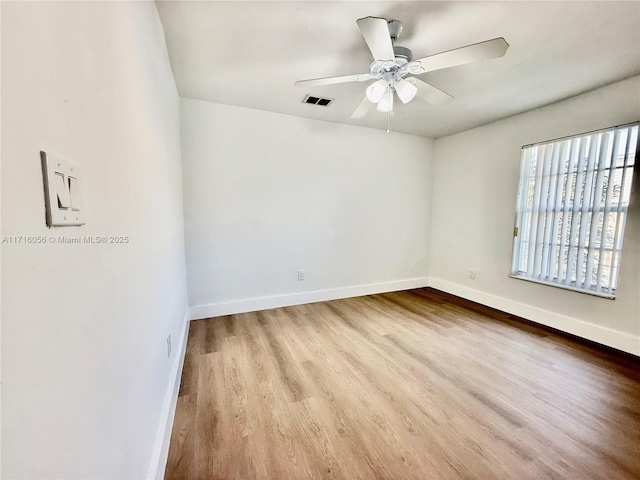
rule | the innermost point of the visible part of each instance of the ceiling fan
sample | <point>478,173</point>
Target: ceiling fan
<point>393,63</point>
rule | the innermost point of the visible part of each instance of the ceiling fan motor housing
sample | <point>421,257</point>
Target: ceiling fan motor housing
<point>392,71</point>
<point>403,55</point>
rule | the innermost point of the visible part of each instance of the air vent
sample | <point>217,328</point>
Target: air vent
<point>323,102</point>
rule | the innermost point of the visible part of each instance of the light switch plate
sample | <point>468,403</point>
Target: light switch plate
<point>62,193</point>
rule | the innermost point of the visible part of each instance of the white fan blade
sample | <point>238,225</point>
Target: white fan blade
<point>376,33</point>
<point>461,56</point>
<point>363,77</point>
<point>362,109</point>
<point>429,93</point>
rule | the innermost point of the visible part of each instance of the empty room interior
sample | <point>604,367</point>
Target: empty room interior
<point>320,240</point>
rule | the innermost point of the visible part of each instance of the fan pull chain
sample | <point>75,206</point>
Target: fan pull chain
<point>388,121</point>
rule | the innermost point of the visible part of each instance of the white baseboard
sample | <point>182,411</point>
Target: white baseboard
<point>606,336</point>
<point>161,447</point>
<point>264,303</point>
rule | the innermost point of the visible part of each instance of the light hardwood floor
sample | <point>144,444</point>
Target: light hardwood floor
<point>405,385</point>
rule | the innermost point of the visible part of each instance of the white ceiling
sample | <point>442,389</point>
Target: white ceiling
<point>250,54</point>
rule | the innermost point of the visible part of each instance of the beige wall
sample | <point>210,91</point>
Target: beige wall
<point>85,372</point>
<point>268,194</point>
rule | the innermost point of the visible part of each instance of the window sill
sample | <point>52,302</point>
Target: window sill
<point>608,296</point>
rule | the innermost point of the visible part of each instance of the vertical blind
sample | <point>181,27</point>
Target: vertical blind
<point>572,207</point>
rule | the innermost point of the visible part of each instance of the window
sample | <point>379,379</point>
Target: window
<point>572,207</point>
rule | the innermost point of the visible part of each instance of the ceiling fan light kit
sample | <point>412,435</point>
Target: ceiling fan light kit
<point>406,90</point>
<point>385,104</point>
<point>376,90</point>
<point>392,63</point>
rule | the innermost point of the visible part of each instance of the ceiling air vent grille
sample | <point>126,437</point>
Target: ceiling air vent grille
<point>323,102</point>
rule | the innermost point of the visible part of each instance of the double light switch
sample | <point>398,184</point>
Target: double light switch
<point>62,192</point>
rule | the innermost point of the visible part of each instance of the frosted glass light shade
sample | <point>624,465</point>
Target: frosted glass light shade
<point>406,91</point>
<point>386,102</point>
<point>376,90</point>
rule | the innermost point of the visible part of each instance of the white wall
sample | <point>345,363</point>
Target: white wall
<point>85,368</point>
<point>268,194</point>
<point>475,183</point>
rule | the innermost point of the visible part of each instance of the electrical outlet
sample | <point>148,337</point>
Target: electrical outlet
<point>472,274</point>
<point>168,346</point>
<point>300,274</point>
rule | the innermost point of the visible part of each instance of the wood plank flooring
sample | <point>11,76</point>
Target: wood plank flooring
<point>404,385</point>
